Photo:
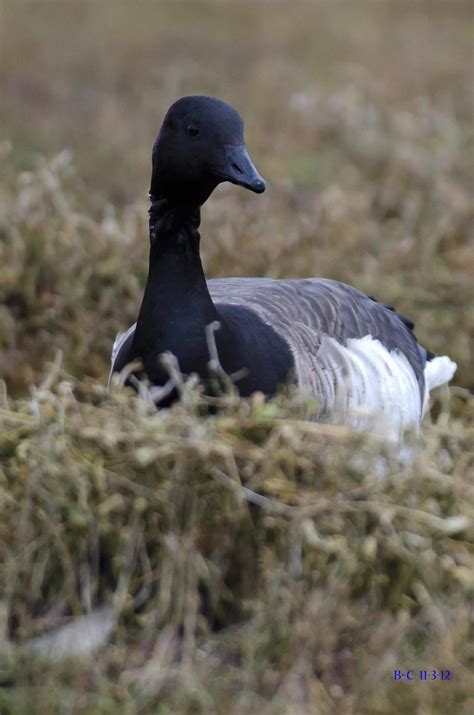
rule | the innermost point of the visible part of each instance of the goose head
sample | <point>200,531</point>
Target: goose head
<point>200,145</point>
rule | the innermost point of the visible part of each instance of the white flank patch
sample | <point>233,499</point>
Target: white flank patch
<point>366,386</point>
<point>118,342</point>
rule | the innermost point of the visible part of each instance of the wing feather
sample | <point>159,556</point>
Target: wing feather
<point>304,311</point>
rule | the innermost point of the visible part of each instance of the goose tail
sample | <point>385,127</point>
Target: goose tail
<point>439,371</point>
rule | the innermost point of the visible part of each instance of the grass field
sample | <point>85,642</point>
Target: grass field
<point>249,560</point>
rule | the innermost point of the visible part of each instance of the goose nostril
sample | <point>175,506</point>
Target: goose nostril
<point>236,167</point>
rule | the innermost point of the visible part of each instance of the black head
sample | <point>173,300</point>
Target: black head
<point>201,144</point>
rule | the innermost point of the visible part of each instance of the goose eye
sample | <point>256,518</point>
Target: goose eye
<point>192,130</point>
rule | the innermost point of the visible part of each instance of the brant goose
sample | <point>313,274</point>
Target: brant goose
<point>356,356</point>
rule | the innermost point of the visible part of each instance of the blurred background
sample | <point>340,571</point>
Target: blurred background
<point>359,115</point>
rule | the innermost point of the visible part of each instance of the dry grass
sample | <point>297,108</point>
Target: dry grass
<point>322,560</point>
<point>251,560</point>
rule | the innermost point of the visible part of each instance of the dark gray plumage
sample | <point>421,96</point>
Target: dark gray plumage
<point>306,309</point>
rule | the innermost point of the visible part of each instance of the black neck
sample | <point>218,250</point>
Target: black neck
<point>176,305</point>
<point>174,227</point>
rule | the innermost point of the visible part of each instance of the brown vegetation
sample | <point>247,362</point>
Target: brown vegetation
<point>250,560</point>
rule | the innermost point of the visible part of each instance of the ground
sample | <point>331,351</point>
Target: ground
<point>255,560</point>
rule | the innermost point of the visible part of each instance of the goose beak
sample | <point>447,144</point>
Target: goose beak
<point>238,168</point>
